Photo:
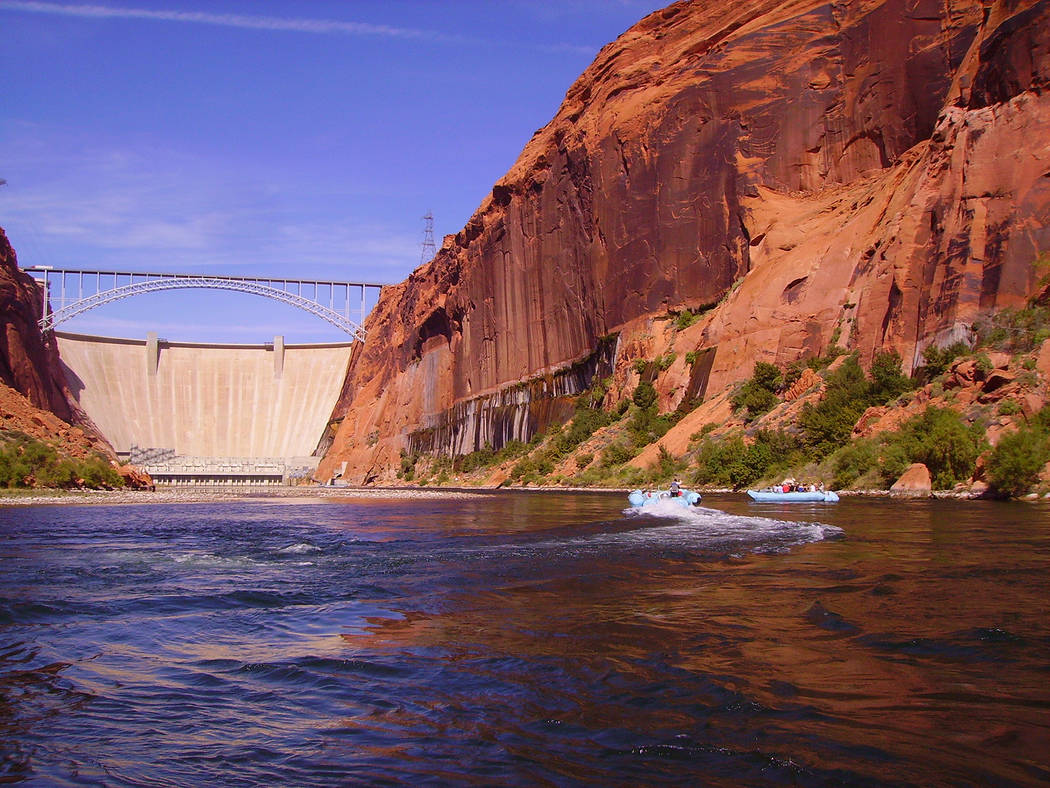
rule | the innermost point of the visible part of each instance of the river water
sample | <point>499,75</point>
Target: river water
<point>525,639</point>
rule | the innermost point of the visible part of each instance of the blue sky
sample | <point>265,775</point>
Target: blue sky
<point>299,139</point>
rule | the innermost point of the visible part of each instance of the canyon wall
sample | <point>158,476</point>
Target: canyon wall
<point>874,174</point>
<point>35,399</point>
<point>28,363</point>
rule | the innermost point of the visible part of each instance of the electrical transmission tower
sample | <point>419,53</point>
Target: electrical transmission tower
<point>429,250</point>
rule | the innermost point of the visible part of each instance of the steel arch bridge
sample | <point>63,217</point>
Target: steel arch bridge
<point>79,290</point>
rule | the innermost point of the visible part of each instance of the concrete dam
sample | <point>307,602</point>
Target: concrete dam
<point>208,413</point>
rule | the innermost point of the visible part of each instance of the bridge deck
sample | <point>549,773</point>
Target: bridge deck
<point>71,292</point>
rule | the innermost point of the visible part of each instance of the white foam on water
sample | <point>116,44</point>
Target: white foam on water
<point>702,527</point>
<point>300,548</point>
<point>203,559</point>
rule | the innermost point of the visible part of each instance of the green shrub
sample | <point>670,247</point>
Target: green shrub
<point>817,363</point>
<point>1016,330</point>
<point>644,395</point>
<point>586,420</point>
<point>1015,462</point>
<point>937,360</point>
<point>665,467</point>
<point>878,460</point>
<point>522,468</point>
<point>828,424</point>
<point>685,318</point>
<point>407,471</point>
<point>481,458</point>
<point>703,432</point>
<point>647,425</point>
<point>1041,420</point>
<point>510,450</point>
<point>583,460</point>
<point>616,454</point>
<point>26,462</point>
<point>1009,407</point>
<point>941,440</point>
<point>732,462</point>
<point>96,472</point>
<point>887,380</point>
<point>759,394</point>
<point>664,362</point>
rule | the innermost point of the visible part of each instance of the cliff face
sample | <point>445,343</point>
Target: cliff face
<point>28,363</point>
<point>34,396</point>
<point>872,173</point>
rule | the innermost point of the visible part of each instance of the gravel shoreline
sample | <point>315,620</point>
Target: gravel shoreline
<point>167,495</point>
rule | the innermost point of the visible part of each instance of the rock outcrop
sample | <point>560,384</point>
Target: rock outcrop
<point>875,175</point>
<point>28,363</point>
<point>34,396</point>
<point>19,415</point>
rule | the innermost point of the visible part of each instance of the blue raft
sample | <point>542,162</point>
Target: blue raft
<point>779,496</point>
<point>687,499</point>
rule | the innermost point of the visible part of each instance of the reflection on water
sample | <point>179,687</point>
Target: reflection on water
<point>516,639</point>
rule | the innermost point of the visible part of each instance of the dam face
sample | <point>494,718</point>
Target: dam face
<point>207,412</point>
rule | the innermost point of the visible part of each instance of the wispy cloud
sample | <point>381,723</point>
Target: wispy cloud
<point>244,21</point>
<point>270,23</point>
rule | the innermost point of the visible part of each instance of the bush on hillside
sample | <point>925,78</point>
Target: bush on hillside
<point>616,454</point>
<point>1015,330</point>
<point>644,395</point>
<point>848,393</point>
<point>758,395</point>
<point>936,360</point>
<point>875,462</point>
<point>939,438</point>
<point>888,381</point>
<point>731,462</point>
<point>1015,462</point>
<point>26,462</point>
<point>828,424</point>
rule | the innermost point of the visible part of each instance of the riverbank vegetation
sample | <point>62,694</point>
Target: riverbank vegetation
<point>974,414</point>
<point>29,463</point>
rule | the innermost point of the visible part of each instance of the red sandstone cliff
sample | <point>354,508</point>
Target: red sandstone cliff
<point>873,173</point>
<point>29,365</point>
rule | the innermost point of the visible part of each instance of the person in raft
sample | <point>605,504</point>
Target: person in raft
<point>676,489</point>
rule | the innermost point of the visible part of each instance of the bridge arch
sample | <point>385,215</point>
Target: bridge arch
<point>287,291</point>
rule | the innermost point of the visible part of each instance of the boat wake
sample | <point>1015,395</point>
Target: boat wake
<point>711,529</point>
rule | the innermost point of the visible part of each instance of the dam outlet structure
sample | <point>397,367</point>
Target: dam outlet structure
<point>199,413</point>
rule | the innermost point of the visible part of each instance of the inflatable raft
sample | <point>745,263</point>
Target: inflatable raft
<point>686,499</point>
<point>801,496</point>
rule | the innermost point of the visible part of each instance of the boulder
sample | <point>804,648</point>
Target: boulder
<point>996,379</point>
<point>999,359</point>
<point>135,478</point>
<point>962,373</point>
<point>915,481</point>
<point>1042,361</point>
